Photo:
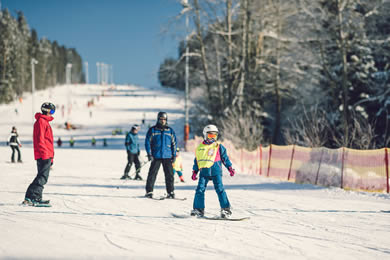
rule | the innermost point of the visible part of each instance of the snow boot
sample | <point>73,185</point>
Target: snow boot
<point>125,176</point>
<point>149,195</point>
<point>181,178</point>
<point>138,177</point>
<point>171,195</point>
<point>226,213</point>
<point>197,212</point>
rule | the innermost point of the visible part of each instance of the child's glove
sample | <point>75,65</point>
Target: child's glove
<point>193,177</point>
<point>232,171</point>
<point>150,157</point>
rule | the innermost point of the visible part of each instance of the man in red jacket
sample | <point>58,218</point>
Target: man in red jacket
<point>43,154</point>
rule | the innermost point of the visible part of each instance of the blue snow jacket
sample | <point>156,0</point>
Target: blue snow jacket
<point>216,169</point>
<point>131,143</point>
<point>160,142</point>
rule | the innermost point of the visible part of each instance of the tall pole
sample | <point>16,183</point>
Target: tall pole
<point>98,72</point>
<point>33,62</point>
<point>186,123</point>
<point>86,73</point>
<point>68,82</point>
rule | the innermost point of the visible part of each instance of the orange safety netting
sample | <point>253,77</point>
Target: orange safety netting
<point>366,170</point>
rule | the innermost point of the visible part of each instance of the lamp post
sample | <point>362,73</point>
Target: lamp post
<point>186,8</point>
<point>98,72</point>
<point>68,82</point>
<point>33,62</point>
<point>86,73</point>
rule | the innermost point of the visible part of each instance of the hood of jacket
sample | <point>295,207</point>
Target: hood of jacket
<point>46,117</point>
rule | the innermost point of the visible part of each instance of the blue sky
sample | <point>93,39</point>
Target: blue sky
<point>124,33</point>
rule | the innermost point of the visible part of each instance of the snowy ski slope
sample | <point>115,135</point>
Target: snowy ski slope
<point>95,215</point>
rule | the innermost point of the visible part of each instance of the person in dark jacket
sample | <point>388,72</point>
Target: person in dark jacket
<point>43,154</point>
<point>132,148</point>
<point>14,143</point>
<point>160,145</point>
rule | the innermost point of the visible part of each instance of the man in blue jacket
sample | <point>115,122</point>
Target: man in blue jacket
<point>132,148</point>
<point>160,145</point>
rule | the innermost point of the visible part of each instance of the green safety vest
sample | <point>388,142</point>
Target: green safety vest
<point>205,154</point>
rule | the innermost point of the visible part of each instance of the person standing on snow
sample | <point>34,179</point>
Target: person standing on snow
<point>14,143</point>
<point>133,151</point>
<point>209,157</point>
<point>43,154</point>
<point>160,145</point>
<point>178,165</point>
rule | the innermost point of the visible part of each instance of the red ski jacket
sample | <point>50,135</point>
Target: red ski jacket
<point>43,137</point>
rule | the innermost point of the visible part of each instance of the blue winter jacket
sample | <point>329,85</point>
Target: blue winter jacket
<point>131,143</point>
<point>160,142</point>
<point>216,169</point>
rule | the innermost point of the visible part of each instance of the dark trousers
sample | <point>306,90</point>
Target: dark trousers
<point>153,170</point>
<point>15,148</point>
<point>132,158</point>
<point>34,191</point>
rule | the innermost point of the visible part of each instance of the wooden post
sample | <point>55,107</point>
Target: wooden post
<point>342,170</point>
<point>269,159</point>
<point>387,168</point>
<point>291,162</point>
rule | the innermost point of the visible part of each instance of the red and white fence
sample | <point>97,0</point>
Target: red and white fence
<point>366,170</point>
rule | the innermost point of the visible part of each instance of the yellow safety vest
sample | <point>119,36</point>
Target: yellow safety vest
<point>205,154</point>
<point>177,164</point>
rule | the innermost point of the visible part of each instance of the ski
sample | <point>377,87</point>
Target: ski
<point>210,218</point>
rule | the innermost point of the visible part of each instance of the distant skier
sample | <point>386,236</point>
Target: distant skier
<point>160,145</point>
<point>14,143</point>
<point>71,141</point>
<point>209,157</point>
<point>43,153</point>
<point>178,165</point>
<point>133,151</point>
<point>59,142</point>
<point>93,141</point>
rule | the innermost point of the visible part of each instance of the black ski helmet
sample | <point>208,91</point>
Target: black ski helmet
<point>48,108</point>
<point>163,115</point>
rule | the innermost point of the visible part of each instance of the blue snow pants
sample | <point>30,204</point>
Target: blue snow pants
<point>219,189</point>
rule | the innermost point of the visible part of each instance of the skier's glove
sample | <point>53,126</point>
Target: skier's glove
<point>138,153</point>
<point>232,171</point>
<point>150,157</point>
<point>193,177</point>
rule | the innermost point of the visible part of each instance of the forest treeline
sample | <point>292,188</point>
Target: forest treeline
<point>308,72</point>
<point>18,46</point>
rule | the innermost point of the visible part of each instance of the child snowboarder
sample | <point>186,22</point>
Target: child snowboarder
<point>209,157</point>
<point>178,165</point>
<point>14,143</point>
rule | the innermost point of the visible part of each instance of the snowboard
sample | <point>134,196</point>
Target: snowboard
<point>165,198</point>
<point>45,203</point>
<point>210,218</point>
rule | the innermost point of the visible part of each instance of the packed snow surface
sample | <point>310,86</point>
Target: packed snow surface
<point>95,215</point>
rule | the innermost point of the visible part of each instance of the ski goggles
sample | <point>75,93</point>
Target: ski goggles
<point>212,135</point>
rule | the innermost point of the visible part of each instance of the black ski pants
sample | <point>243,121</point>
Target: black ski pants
<point>132,158</point>
<point>34,191</point>
<point>15,148</point>
<point>168,171</point>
